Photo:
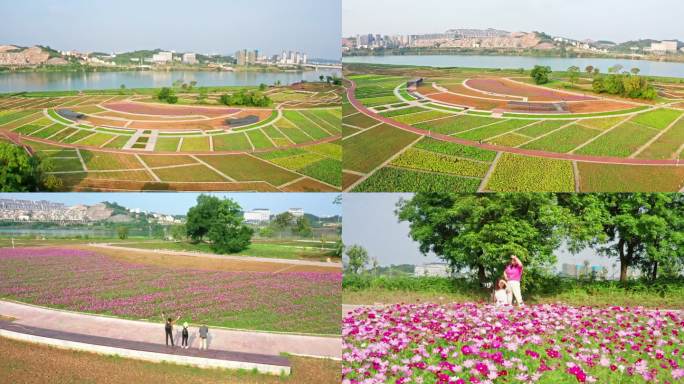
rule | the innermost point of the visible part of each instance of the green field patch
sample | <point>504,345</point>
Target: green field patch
<point>28,129</point>
<point>377,101</point>
<point>52,113</point>
<point>327,119</point>
<point>367,150</point>
<point>48,131</point>
<point>12,116</point>
<point>127,132</point>
<point>259,139</point>
<point>195,144</point>
<point>360,121</point>
<point>331,150</point>
<point>456,124</point>
<point>629,178</point>
<point>420,117</point>
<point>297,161</point>
<point>546,126</point>
<point>327,170</point>
<point>192,173</point>
<point>96,140</point>
<point>404,111</point>
<point>455,149</point>
<point>281,153</point>
<point>484,133</point>
<point>658,119</point>
<point>573,115</point>
<point>444,107</point>
<point>293,133</point>
<point>305,125</point>
<point>248,168</point>
<point>514,173</point>
<point>103,161</point>
<point>154,161</point>
<point>167,144</point>
<point>81,134</point>
<point>404,180</point>
<point>564,140</point>
<point>63,134</point>
<point>66,165</point>
<point>601,124</point>
<point>231,142</point>
<point>509,140</point>
<point>435,162</point>
<point>666,146</point>
<point>119,142</point>
<point>620,142</point>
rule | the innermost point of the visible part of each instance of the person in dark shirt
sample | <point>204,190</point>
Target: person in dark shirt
<point>203,333</point>
<point>185,333</point>
<point>168,327</point>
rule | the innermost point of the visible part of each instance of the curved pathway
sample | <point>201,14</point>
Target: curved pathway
<point>263,343</point>
<point>518,151</point>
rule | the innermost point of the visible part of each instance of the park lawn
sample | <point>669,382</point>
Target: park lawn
<point>423,160</point>
<point>259,139</point>
<point>455,149</point>
<point>96,140</point>
<point>195,144</point>
<point>248,168</point>
<point>167,144</point>
<point>103,161</point>
<point>658,119</point>
<point>391,179</point>
<point>620,142</point>
<point>630,178</point>
<point>29,363</point>
<point>369,149</point>
<point>489,131</point>
<point>231,142</point>
<point>542,127</point>
<point>666,146</point>
<point>457,124</point>
<point>564,140</point>
<point>514,173</point>
<point>120,141</point>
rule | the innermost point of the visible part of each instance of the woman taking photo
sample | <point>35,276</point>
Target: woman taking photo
<point>513,274</point>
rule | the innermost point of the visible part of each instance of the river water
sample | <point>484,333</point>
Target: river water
<point>648,68</point>
<point>66,81</point>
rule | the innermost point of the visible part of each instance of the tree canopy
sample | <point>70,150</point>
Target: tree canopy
<point>221,221</point>
<point>21,172</point>
<point>540,74</point>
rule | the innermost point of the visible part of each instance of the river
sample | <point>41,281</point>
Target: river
<point>648,68</point>
<point>71,81</point>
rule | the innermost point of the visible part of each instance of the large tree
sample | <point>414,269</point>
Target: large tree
<point>481,232</point>
<point>643,230</point>
<point>540,74</point>
<point>358,258</point>
<point>200,217</point>
<point>21,172</point>
<point>228,232</point>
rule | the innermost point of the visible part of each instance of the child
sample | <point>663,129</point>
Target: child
<point>501,293</point>
<point>185,334</point>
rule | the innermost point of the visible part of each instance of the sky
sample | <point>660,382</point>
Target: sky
<point>615,20</point>
<point>320,204</point>
<point>204,26</point>
<point>369,220</point>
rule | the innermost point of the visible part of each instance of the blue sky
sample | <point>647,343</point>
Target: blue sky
<point>209,26</point>
<point>369,221</point>
<point>320,204</point>
<point>616,20</point>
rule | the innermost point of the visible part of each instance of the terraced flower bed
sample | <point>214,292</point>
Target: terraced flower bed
<point>470,343</point>
<point>85,281</point>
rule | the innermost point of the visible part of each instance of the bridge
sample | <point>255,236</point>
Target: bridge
<point>323,66</point>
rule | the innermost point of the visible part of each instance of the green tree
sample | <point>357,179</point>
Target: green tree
<point>615,68</point>
<point>589,69</point>
<point>122,232</point>
<point>339,248</point>
<point>358,258</point>
<point>202,96</point>
<point>635,71</point>
<point>573,74</point>
<point>639,229</point>
<point>263,87</point>
<point>481,232</point>
<point>267,232</point>
<point>200,217</point>
<point>228,232</point>
<point>21,172</point>
<point>179,232</point>
<point>302,227</point>
<point>540,74</point>
<point>283,220</point>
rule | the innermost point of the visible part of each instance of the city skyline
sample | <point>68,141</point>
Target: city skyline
<point>319,204</point>
<point>210,26</point>
<point>402,17</point>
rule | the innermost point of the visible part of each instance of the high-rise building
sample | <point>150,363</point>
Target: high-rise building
<point>189,58</point>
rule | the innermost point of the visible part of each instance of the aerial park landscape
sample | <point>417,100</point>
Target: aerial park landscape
<point>488,130</point>
<point>279,138</point>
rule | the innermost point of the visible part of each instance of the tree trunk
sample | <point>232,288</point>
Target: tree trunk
<point>623,262</point>
<point>481,277</point>
<point>654,274</point>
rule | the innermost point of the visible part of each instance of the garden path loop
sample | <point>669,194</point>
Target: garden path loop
<point>261,343</point>
<point>351,95</point>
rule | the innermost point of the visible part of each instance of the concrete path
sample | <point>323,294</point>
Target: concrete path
<point>221,257</point>
<point>148,332</point>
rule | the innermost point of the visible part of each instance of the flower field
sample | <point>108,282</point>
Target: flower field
<point>469,343</point>
<point>84,281</point>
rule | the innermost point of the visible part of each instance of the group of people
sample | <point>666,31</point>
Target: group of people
<point>185,333</point>
<point>508,287</point>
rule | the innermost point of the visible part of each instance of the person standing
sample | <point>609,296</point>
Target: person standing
<point>513,274</point>
<point>168,328</point>
<point>185,334</point>
<point>203,333</point>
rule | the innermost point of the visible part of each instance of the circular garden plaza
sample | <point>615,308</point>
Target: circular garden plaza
<point>414,128</point>
<point>105,141</point>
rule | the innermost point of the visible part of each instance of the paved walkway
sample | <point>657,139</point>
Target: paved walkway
<point>147,332</point>
<point>519,151</point>
<point>222,257</point>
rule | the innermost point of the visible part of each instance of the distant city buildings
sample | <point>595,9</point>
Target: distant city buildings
<point>432,270</point>
<point>664,47</point>
<point>45,211</point>
<point>296,212</point>
<point>246,57</point>
<point>162,57</point>
<point>258,216</point>
<point>189,58</point>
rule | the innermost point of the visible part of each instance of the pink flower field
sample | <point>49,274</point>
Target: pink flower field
<point>470,343</point>
<point>84,281</point>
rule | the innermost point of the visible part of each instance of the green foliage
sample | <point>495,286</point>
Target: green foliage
<point>20,172</point>
<point>227,232</point>
<point>358,259</point>
<point>245,98</point>
<point>540,74</point>
<point>573,74</point>
<point>302,227</point>
<point>481,232</point>
<point>200,216</point>
<point>179,232</point>
<point>168,95</point>
<point>625,85</point>
<point>122,232</point>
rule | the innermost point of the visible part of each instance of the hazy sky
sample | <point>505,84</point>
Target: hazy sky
<point>369,221</point>
<point>205,26</point>
<point>616,20</point>
<point>320,204</point>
